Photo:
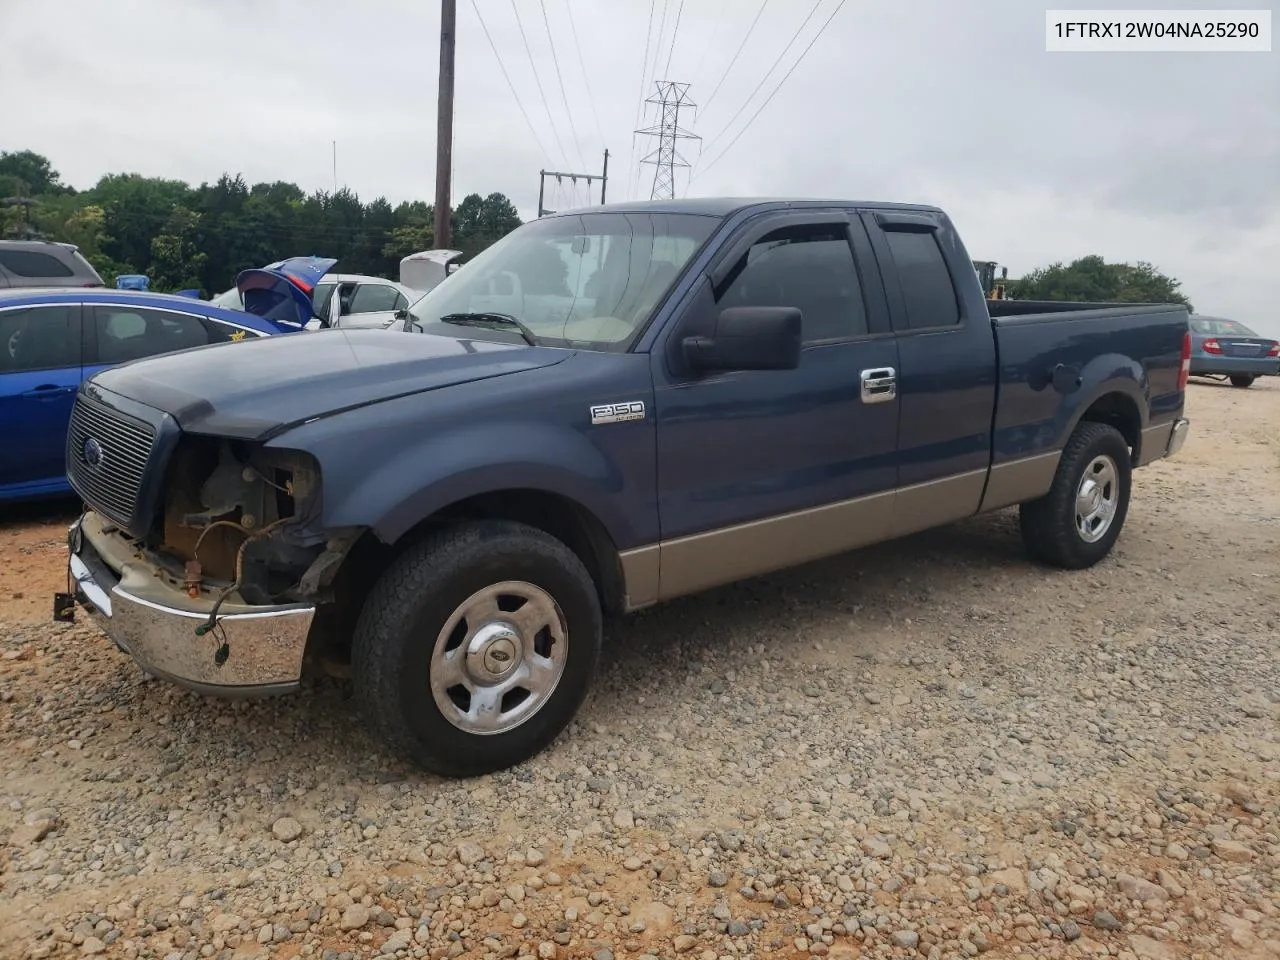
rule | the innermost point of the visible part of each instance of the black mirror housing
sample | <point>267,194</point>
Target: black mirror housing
<point>748,338</point>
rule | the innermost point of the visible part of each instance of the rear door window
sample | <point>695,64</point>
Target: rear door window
<point>131,333</point>
<point>374,298</point>
<point>33,264</point>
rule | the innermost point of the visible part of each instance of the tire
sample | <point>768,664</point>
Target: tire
<point>1241,380</point>
<point>1050,527</point>
<point>403,661</point>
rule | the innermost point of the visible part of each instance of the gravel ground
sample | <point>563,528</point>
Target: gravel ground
<point>927,749</point>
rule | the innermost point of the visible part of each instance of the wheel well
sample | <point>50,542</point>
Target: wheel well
<point>559,516</point>
<point>569,522</point>
<point>1118,410</point>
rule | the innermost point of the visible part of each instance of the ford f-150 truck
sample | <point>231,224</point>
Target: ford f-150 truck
<point>606,409</point>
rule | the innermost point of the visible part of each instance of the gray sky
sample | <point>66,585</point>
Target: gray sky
<point>1169,158</point>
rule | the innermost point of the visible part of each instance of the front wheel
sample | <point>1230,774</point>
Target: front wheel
<point>477,646</point>
<point>1241,380</point>
<point>1077,522</point>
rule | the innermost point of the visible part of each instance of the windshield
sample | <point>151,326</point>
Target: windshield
<point>1221,328</point>
<point>589,280</point>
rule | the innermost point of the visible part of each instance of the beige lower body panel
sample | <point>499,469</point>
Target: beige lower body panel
<point>1018,481</point>
<point>686,565</point>
<point>1154,443</point>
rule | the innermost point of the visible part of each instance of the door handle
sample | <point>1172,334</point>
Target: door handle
<point>879,384</point>
<point>46,391</point>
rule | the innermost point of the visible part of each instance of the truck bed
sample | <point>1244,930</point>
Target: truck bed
<point>1051,370</point>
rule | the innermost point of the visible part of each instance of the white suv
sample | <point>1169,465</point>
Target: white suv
<point>363,301</point>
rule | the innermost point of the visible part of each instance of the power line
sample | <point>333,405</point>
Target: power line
<point>644,70</point>
<point>511,86</point>
<point>737,53</point>
<point>564,95</point>
<point>716,24</point>
<point>803,23</point>
<point>564,154</point>
<point>652,74</point>
<point>674,31</point>
<point>568,5</point>
<point>662,28</point>
<point>785,76</point>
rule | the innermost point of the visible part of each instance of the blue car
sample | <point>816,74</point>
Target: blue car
<point>1224,349</point>
<point>53,339</point>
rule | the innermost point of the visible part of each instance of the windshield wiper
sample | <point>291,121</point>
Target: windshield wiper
<point>487,319</point>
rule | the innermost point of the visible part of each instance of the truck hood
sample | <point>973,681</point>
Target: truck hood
<point>255,389</point>
<point>281,291</point>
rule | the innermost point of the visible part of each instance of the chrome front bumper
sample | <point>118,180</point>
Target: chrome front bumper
<point>253,651</point>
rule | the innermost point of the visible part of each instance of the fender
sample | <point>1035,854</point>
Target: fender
<point>472,459</point>
<point>1103,375</point>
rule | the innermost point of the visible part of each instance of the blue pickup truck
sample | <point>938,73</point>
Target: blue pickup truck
<point>604,410</point>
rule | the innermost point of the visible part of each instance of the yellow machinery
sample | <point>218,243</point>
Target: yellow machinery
<point>992,289</point>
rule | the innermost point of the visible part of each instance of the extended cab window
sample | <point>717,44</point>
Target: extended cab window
<point>926,282</point>
<point>38,338</point>
<point>131,333</point>
<point>810,267</point>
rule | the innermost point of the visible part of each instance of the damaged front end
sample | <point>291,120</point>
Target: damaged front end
<point>219,588</point>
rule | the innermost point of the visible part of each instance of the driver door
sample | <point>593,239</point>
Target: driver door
<point>762,469</point>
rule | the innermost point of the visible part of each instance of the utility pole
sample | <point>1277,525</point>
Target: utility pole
<point>24,231</point>
<point>670,99</point>
<point>603,177</point>
<point>444,124</point>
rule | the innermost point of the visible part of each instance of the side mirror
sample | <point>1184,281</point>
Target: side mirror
<point>748,338</point>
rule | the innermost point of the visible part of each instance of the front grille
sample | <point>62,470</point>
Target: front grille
<point>121,446</point>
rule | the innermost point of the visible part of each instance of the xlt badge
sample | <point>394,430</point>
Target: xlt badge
<point>617,412</point>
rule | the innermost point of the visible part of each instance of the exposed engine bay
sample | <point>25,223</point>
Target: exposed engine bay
<point>239,521</point>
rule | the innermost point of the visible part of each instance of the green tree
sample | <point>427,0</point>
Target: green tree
<point>176,260</point>
<point>183,236</point>
<point>33,173</point>
<point>414,230</point>
<point>1092,279</point>
<point>479,221</point>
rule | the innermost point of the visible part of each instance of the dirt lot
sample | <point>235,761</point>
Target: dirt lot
<point>927,749</point>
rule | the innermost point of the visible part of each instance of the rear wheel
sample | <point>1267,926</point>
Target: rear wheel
<point>477,646</point>
<point>1077,522</point>
<point>1241,380</point>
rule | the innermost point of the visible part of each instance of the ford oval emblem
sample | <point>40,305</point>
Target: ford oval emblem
<point>92,451</point>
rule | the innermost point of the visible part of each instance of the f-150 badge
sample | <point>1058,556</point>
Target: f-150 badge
<point>617,412</point>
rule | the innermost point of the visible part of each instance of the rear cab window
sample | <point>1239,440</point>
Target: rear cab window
<point>928,288</point>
